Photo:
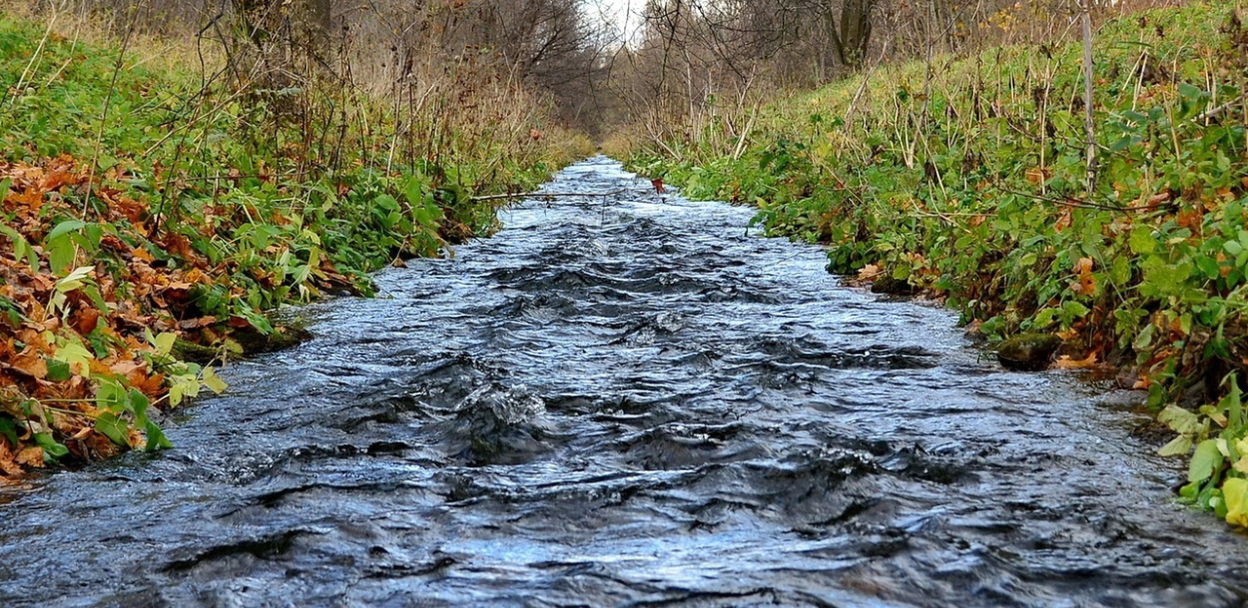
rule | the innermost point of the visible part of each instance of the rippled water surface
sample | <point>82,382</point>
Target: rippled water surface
<point>626,401</point>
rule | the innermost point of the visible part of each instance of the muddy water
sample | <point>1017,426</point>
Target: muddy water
<point>627,402</point>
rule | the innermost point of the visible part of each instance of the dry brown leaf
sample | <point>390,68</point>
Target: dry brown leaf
<point>1065,362</point>
<point>31,457</point>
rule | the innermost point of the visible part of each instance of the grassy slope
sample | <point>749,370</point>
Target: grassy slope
<point>175,219</point>
<point>972,186</point>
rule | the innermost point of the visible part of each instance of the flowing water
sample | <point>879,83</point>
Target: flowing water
<point>627,400</point>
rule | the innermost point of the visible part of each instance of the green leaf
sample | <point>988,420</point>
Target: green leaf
<point>1179,446</point>
<point>1179,420</point>
<point>1044,318</point>
<point>138,404</point>
<point>1190,91</point>
<point>1205,461</point>
<point>8,429</point>
<point>110,396</point>
<point>21,247</point>
<point>59,243</point>
<point>213,381</point>
<point>1233,402</point>
<point>51,448</point>
<point>75,353</point>
<point>60,254</point>
<point>164,343</point>
<point>114,428</point>
<point>1142,241</point>
<point>58,371</point>
<point>64,228</point>
<point>1074,310</point>
<point>156,439</point>
<point>1120,272</point>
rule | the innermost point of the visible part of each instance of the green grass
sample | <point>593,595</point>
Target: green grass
<point>142,207</point>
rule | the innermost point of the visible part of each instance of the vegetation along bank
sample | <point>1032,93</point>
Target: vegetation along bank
<point>968,179</point>
<point>161,197</point>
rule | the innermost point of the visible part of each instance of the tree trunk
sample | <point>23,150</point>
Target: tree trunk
<point>854,32</point>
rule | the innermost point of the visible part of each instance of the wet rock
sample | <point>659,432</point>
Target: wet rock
<point>888,285</point>
<point>496,424</point>
<point>1028,352</point>
<point>251,340</point>
<point>281,338</point>
<point>195,353</point>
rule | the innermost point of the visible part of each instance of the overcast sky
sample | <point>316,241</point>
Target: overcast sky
<point>620,14</point>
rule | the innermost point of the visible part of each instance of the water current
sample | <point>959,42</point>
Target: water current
<point>627,401</point>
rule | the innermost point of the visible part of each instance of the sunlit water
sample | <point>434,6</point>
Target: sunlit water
<point>627,401</point>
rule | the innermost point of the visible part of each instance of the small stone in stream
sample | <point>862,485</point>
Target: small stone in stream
<point>888,285</point>
<point>254,342</point>
<point>1028,352</point>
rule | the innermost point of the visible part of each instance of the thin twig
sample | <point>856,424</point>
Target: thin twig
<point>1082,204</point>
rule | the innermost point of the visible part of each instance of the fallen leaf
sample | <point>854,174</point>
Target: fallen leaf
<point>31,457</point>
<point>1065,362</point>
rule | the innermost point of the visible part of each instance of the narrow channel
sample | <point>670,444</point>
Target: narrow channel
<point>627,401</point>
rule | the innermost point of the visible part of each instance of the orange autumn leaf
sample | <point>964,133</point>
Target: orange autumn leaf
<point>8,460</point>
<point>31,365</point>
<point>141,254</point>
<point>85,320</point>
<point>57,178</point>
<point>1037,175</point>
<point>1085,285</point>
<point>1064,221</point>
<point>1085,282</point>
<point>31,457</point>
<point>1066,362</point>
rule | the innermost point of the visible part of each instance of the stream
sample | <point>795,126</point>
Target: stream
<point>629,400</point>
